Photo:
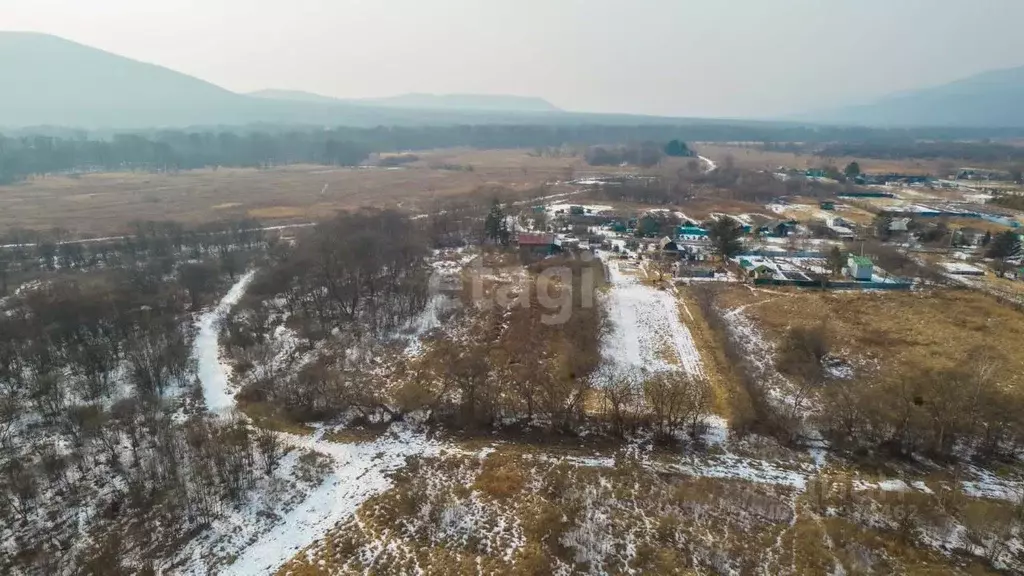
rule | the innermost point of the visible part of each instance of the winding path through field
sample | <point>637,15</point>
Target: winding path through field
<point>358,471</point>
<point>712,166</point>
<point>212,373</point>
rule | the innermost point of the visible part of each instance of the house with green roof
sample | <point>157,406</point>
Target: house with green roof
<point>861,267</point>
<point>691,233</point>
<point>757,267</point>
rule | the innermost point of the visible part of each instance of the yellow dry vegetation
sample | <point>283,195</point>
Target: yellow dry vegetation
<point>1006,286</point>
<point>107,203</point>
<point>729,399</point>
<point>977,223</point>
<point>264,416</point>
<point>702,207</point>
<point>754,158</point>
<point>502,476</point>
<point>276,212</point>
<point>525,516</point>
<point>520,512</point>
<point>802,209</point>
<point>903,332</point>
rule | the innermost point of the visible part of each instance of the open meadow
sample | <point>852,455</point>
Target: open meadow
<point>106,203</point>
<point>893,334</point>
<point>755,158</point>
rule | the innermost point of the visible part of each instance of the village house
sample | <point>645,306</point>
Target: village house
<point>692,234</point>
<point>668,246</point>
<point>533,245</point>
<point>839,228</point>
<point>970,236</point>
<point>899,226</point>
<point>756,268</point>
<point>861,268</point>
<point>688,269</point>
<point>777,228</point>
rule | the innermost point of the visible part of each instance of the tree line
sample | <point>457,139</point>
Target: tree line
<point>984,151</point>
<point>170,151</point>
<point>645,155</point>
<point>48,151</point>
<point>217,247</point>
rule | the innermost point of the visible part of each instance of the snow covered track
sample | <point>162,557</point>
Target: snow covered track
<point>212,373</point>
<point>646,333</point>
<point>264,533</point>
<point>359,472</point>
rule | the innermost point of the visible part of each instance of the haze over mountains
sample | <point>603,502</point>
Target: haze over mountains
<point>56,82</point>
<point>491,103</point>
<point>989,99</point>
<point>53,81</point>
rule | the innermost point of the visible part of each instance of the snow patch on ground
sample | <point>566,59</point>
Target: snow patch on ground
<point>987,485</point>
<point>212,372</point>
<point>734,467</point>
<point>587,208</point>
<point>646,333</point>
<point>262,536</point>
<point>757,349</point>
<point>716,430</point>
<point>274,525</point>
<point>726,466</point>
<point>360,471</point>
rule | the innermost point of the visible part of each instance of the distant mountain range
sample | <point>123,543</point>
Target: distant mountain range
<point>50,81</point>
<point>480,102</point>
<point>989,99</point>
<point>294,96</point>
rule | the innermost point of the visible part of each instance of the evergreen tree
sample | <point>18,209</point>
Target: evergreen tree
<point>495,223</point>
<point>677,148</point>
<point>852,170</point>
<point>1004,245</point>
<point>725,235</point>
<point>648,226</point>
<point>836,260</point>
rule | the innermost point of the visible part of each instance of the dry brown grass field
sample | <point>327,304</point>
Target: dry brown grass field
<point>511,510</point>
<point>895,333</point>
<point>754,158</point>
<point>107,203</point>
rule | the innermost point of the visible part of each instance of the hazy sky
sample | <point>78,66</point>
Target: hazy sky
<point>675,57</point>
